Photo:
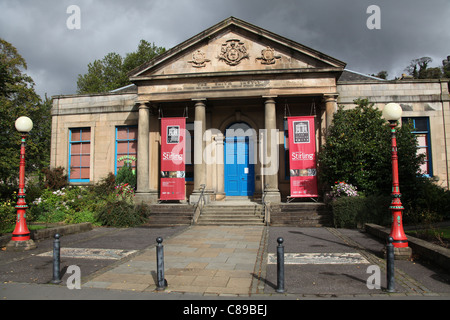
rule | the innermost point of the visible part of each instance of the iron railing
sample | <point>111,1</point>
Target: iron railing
<point>199,205</point>
<point>266,208</point>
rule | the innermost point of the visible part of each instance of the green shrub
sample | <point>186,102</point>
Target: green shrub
<point>120,214</point>
<point>81,216</point>
<point>351,212</point>
<point>346,211</point>
<point>69,205</point>
<point>55,178</point>
<point>126,175</point>
<point>104,187</point>
<point>428,203</point>
<point>7,214</point>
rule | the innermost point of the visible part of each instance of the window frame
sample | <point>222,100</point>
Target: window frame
<point>428,147</point>
<point>81,142</point>
<point>128,140</point>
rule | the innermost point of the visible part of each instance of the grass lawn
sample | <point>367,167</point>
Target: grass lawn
<point>436,235</point>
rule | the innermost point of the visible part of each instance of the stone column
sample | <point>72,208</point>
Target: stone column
<point>220,167</point>
<point>199,146</point>
<point>271,166</point>
<point>143,193</point>
<point>330,107</point>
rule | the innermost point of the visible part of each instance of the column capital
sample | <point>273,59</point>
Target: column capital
<point>199,100</point>
<point>270,99</point>
<point>330,97</point>
<point>143,104</point>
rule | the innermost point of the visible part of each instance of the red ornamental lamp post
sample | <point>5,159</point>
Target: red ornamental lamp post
<point>392,112</point>
<point>21,235</point>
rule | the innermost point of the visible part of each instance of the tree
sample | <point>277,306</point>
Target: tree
<point>18,98</point>
<point>145,52</point>
<point>358,151</point>
<point>446,67</point>
<point>418,69</point>
<point>382,75</point>
<point>111,72</point>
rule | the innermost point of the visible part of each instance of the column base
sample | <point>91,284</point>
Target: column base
<point>273,196</point>
<point>18,246</point>
<point>149,197</point>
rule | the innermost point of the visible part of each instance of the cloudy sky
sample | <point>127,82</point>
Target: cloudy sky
<point>55,54</point>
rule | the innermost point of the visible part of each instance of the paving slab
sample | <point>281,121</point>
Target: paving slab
<point>202,259</point>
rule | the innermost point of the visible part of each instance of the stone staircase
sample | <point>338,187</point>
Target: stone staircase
<point>303,214</point>
<point>169,215</point>
<point>232,213</point>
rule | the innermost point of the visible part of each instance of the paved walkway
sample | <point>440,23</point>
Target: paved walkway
<point>209,262</point>
<point>206,260</point>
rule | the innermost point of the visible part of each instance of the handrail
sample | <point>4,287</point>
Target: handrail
<point>197,205</point>
<point>265,207</point>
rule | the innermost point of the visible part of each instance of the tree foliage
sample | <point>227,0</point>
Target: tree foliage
<point>18,98</point>
<point>110,72</point>
<point>419,69</point>
<point>358,151</point>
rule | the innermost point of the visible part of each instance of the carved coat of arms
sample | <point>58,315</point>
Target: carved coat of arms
<point>198,59</point>
<point>268,56</point>
<point>232,52</point>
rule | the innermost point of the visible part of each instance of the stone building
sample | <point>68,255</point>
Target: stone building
<point>232,75</point>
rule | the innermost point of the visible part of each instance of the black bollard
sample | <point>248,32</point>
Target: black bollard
<point>390,265</point>
<point>56,260</point>
<point>162,283</point>
<point>280,266</point>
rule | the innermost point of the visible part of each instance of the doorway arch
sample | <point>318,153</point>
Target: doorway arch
<point>239,159</point>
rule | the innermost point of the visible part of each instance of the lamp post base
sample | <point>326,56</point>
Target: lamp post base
<point>21,245</point>
<point>400,253</point>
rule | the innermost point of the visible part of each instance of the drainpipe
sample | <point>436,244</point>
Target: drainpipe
<point>445,131</point>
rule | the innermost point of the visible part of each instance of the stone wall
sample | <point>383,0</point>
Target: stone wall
<point>101,113</point>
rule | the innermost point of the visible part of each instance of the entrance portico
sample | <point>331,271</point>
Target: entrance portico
<point>232,76</point>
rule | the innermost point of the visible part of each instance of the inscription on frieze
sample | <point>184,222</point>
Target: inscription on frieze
<point>227,85</point>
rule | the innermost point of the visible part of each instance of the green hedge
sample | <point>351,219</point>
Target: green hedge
<point>121,214</point>
<point>352,212</point>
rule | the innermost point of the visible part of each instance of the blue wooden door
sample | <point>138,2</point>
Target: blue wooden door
<point>239,172</point>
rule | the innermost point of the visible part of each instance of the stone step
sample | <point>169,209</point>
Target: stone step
<point>230,223</point>
<point>236,211</point>
<point>300,215</point>
<point>168,215</point>
<point>232,214</point>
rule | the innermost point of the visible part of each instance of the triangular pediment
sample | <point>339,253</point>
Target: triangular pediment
<point>234,45</point>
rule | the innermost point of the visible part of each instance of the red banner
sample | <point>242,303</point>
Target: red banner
<point>173,159</point>
<point>302,157</point>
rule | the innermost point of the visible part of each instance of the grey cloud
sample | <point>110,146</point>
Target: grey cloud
<point>56,55</point>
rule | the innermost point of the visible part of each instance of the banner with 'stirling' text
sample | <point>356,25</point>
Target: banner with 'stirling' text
<point>302,157</point>
<point>173,159</point>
